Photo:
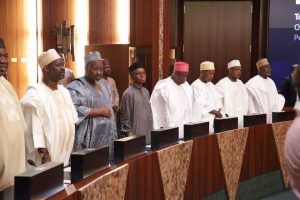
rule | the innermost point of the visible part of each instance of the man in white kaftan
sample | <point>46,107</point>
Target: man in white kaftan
<point>234,93</point>
<point>171,100</point>
<point>49,114</point>
<point>207,101</point>
<point>262,92</point>
<point>12,127</point>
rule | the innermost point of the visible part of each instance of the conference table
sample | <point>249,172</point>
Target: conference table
<point>205,166</point>
<point>192,169</point>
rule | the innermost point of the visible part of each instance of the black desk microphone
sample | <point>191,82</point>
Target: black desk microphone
<point>31,162</point>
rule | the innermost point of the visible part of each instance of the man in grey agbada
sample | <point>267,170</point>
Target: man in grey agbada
<point>96,125</point>
<point>135,110</point>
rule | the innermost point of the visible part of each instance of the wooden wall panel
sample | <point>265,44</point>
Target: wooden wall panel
<point>141,22</point>
<point>54,12</point>
<point>144,55</point>
<point>205,175</point>
<point>173,23</point>
<point>180,17</point>
<point>102,22</point>
<point>259,33</point>
<point>260,155</point>
<point>212,31</point>
<point>155,43</point>
<point>144,32</point>
<point>166,37</point>
<point>13,31</point>
<point>144,180</point>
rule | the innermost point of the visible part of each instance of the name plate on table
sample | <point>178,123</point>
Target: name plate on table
<point>225,124</point>
<point>252,120</point>
<point>283,116</point>
<point>88,161</point>
<point>127,147</point>
<point>164,137</point>
<point>193,130</point>
<point>39,182</point>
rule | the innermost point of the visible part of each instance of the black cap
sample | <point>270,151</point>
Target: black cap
<point>135,66</point>
<point>2,45</point>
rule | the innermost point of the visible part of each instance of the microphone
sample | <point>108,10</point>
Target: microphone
<point>31,162</point>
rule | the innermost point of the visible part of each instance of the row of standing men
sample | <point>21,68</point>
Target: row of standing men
<point>53,121</point>
<point>174,102</point>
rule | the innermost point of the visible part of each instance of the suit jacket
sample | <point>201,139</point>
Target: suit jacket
<point>288,91</point>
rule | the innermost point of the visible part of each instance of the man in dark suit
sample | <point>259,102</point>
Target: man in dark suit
<point>287,89</point>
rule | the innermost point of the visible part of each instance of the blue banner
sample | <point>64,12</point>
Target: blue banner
<point>284,37</point>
